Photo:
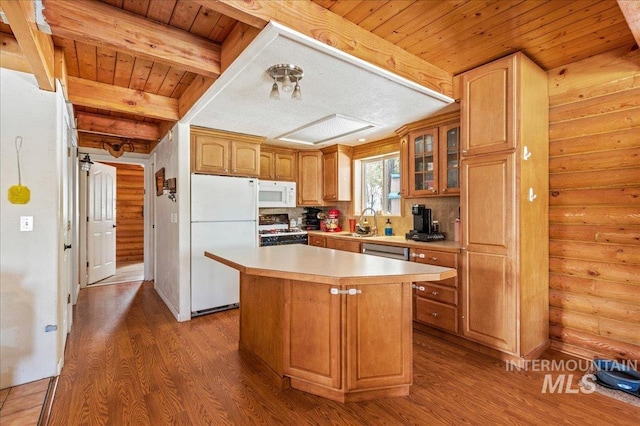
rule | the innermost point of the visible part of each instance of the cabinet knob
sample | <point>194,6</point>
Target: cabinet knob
<point>435,259</point>
<point>421,256</point>
<point>418,287</point>
<point>464,151</point>
<point>444,189</point>
<point>348,292</point>
<point>434,293</point>
<point>434,314</point>
<point>433,190</point>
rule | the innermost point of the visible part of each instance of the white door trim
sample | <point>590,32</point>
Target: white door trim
<point>149,185</point>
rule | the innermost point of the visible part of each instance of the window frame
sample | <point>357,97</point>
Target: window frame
<point>358,189</point>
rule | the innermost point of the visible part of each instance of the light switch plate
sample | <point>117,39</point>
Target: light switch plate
<point>26,223</point>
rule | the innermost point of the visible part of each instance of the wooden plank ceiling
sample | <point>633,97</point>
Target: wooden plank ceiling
<point>135,66</point>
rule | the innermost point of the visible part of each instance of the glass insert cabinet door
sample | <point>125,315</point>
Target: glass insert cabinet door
<point>423,156</point>
<point>451,162</point>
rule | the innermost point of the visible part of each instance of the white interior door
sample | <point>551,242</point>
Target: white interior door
<point>101,227</point>
<point>66,220</point>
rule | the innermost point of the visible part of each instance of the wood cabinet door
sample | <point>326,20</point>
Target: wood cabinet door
<point>404,166</point>
<point>211,154</point>
<point>379,336</point>
<point>285,166</point>
<point>487,107</point>
<point>423,162</point>
<point>266,165</point>
<point>309,187</point>
<point>312,333</point>
<point>330,176</point>
<point>449,159</point>
<point>245,158</point>
<point>489,285</point>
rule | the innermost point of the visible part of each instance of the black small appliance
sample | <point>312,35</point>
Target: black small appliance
<point>423,225</point>
<point>311,220</point>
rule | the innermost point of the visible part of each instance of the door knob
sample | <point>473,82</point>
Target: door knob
<point>114,226</point>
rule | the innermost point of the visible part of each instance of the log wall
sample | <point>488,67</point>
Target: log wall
<point>594,209</point>
<point>129,212</point>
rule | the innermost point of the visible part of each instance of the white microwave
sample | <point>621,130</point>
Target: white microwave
<point>273,193</point>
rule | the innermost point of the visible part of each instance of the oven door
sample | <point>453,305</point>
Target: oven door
<point>283,239</point>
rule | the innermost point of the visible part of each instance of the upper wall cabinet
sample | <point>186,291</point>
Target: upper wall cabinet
<point>430,156</point>
<point>224,153</point>
<point>489,88</point>
<point>277,163</point>
<point>336,183</point>
<point>309,191</point>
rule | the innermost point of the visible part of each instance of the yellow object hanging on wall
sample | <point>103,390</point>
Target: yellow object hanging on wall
<point>19,194</point>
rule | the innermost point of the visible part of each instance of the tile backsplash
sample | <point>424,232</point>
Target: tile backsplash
<point>443,209</point>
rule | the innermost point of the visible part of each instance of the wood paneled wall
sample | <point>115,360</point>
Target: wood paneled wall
<point>129,212</point>
<point>594,209</point>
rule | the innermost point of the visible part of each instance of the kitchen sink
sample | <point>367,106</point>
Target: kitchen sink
<point>355,234</point>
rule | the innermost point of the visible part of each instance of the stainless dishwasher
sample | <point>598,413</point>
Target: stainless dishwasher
<point>393,252</point>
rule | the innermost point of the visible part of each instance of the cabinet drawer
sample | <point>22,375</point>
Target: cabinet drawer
<point>436,314</point>
<point>437,292</point>
<point>344,245</point>
<point>432,257</point>
<point>317,241</point>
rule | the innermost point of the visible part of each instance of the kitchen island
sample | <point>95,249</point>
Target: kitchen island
<point>328,322</point>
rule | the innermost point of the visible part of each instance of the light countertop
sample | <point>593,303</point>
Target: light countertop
<point>322,265</point>
<point>394,240</point>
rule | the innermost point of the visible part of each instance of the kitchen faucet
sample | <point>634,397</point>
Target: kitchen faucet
<point>360,228</point>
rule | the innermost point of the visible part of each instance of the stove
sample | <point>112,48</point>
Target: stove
<point>273,230</point>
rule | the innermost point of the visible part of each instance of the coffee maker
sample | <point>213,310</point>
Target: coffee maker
<point>423,225</point>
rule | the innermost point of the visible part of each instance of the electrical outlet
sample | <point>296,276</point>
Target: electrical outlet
<point>26,223</point>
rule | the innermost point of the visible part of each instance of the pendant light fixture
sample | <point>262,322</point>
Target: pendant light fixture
<point>289,75</point>
<point>86,163</point>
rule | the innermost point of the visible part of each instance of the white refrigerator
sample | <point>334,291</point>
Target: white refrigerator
<point>224,213</point>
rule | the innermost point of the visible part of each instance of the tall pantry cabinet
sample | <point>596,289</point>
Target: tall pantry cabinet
<point>504,206</point>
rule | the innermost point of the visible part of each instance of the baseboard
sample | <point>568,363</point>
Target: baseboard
<point>478,347</point>
<point>166,301</point>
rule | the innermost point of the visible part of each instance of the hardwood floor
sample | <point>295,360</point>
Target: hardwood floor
<point>129,361</point>
<point>126,271</point>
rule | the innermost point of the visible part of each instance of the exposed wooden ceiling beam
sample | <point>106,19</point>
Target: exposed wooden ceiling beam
<point>89,140</point>
<point>11,56</point>
<point>35,45</point>
<point>631,11</point>
<point>193,93</point>
<point>119,99</point>
<point>321,24</point>
<point>99,24</point>
<point>116,126</point>
<point>238,39</point>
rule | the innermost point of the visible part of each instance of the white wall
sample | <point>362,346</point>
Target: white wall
<point>28,260</point>
<point>172,225</point>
